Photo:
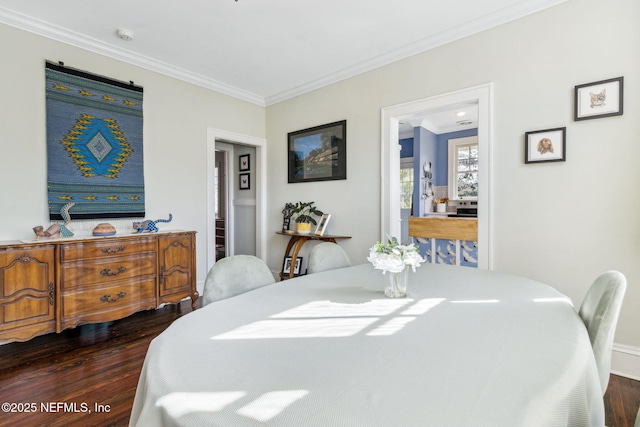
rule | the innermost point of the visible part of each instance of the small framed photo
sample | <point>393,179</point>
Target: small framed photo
<point>286,265</point>
<point>322,225</point>
<point>547,145</point>
<point>245,181</point>
<point>244,162</point>
<point>599,99</point>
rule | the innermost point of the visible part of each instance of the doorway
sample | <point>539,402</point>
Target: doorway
<point>221,140</point>
<point>391,221</point>
<point>223,155</point>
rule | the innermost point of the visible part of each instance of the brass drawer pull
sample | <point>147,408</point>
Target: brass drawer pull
<point>107,298</point>
<point>107,271</point>
<point>113,250</point>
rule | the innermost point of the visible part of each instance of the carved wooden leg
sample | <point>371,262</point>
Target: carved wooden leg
<point>194,298</point>
<point>294,256</point>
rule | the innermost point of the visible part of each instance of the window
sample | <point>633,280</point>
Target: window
<point>406,182</point>
<point>463,168</point>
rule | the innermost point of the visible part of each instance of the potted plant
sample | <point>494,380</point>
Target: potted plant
<point>305,212</point>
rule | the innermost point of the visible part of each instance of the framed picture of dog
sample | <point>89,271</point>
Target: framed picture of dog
<point>599,99</point>
<point>549,145</point>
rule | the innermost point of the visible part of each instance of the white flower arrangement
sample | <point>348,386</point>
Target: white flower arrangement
<point>394,257</point>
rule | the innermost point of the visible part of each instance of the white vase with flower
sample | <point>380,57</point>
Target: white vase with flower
<point>394,258</point>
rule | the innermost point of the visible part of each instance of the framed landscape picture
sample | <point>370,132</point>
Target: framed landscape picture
<point>318,153</point>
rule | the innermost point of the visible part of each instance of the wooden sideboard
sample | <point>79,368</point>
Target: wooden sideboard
<point>49,286</point>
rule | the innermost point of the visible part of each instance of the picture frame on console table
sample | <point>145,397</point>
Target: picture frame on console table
<point>322,225</point>
<point>286,265</point>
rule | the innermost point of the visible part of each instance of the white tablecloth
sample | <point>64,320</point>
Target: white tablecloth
<point>466,348</point>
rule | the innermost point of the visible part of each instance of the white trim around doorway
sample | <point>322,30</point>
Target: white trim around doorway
<point>260,144</point>
<point>390,163</point>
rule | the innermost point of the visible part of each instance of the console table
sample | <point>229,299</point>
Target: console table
<point>51,285</point>
<point>297,241</point>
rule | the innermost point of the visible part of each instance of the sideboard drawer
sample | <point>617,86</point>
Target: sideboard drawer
<point>106,248</point>
<point>75,274</point>
<point>105,303</point>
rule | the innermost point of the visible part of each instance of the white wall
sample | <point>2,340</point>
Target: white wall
<point>176,117</point>
<point>560,223</point>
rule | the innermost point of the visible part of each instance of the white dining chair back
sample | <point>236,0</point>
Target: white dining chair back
<point>599,312</point>
<point>327,256</point>
<point>235,275</point>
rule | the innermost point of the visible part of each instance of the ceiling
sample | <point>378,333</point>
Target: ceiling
<point>262,51</point>
<point>451,118</point>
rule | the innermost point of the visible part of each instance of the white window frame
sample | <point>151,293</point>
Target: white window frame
<point>407,163</point>
<point>453,165</point>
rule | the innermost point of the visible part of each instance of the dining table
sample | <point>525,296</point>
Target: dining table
<point>465,347</point>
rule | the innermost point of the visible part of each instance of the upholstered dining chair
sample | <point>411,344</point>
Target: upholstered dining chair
<point>327,256</point>
<point>599,312</point>
<point>235,275</point>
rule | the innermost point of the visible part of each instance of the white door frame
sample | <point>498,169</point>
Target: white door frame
<point>390,163</point>
<point>217,136</point>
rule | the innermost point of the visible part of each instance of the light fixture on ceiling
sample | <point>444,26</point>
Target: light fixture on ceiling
<point>464,122</point>
<point>460,113</point>
<point>124,34</point>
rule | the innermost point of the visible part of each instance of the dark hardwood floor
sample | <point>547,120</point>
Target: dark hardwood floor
<point>621,401</point>
<point>97,367</point>
<point>92,364</point>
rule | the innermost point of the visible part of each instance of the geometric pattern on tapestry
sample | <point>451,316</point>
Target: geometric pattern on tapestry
<point>94,145</point>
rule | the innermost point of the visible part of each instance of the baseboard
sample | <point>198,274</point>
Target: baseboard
<point>625,361</point>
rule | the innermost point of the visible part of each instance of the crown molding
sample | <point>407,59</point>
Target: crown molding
<point>65,36</point>
<point>83,42</point>
<point>484,23</point>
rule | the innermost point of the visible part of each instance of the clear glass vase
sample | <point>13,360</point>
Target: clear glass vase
<point>397,284</point>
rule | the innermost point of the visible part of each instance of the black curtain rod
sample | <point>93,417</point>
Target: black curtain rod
<point>80,73</point>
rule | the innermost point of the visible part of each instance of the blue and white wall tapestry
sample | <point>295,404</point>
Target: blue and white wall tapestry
<point>94,145</point>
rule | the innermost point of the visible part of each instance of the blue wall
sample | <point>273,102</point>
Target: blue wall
<point>424,151</point>
<point>406,147</point>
